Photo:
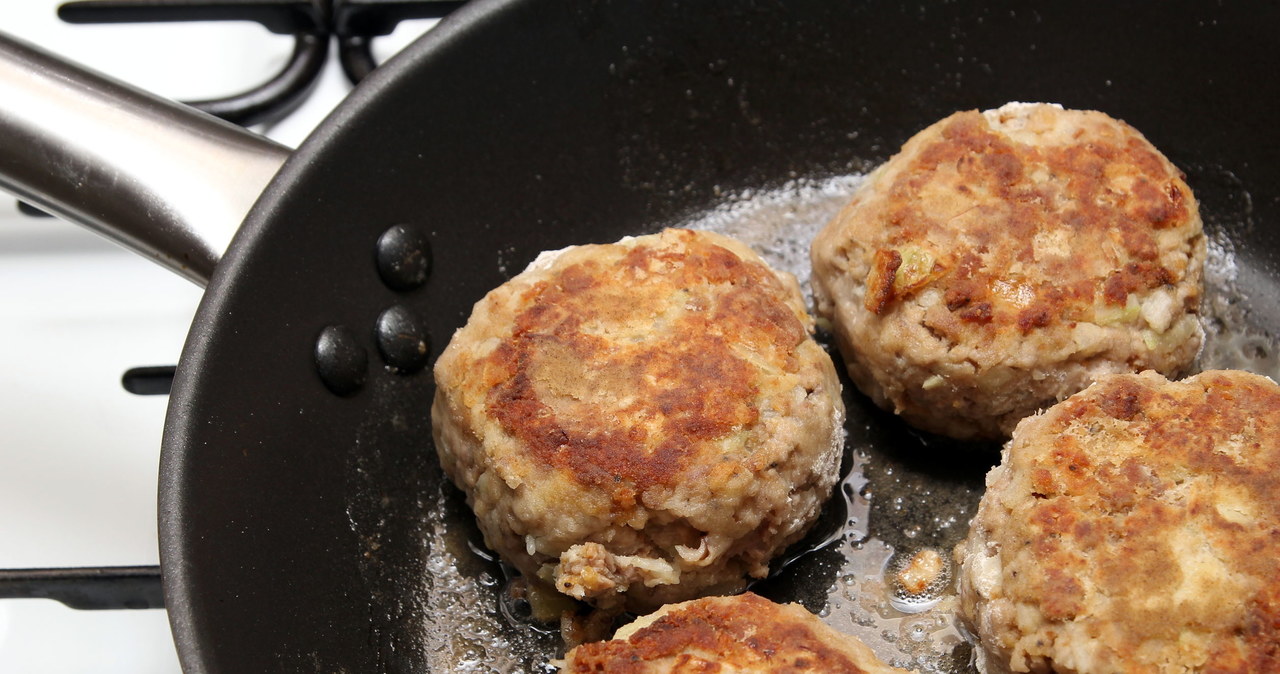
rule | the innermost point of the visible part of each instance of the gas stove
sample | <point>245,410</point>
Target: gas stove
<point>79,454</point>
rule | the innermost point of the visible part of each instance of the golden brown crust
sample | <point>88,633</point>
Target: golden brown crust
<point>746,633</point>
<point>641,422</point>
<point>670,396</point>
<point>1135,527</point>
<point>992,236</point>
<point>1115,192</point>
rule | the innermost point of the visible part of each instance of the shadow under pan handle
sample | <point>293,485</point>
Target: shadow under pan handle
<point>162,178</point>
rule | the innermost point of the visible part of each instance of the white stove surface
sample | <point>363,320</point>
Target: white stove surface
<point>78,454</point>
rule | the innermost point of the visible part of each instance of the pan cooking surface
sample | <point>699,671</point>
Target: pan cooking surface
<point>903,491</point>
<point>316,532</point>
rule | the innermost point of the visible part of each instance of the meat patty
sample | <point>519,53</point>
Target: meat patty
<point>746,633</point>
<point>641,422</point>
<point>1003,260</point>
<point>1134,527</point>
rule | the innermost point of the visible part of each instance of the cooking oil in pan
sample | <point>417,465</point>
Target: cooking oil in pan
<point>897,522</point>
<point>465,629</point>
<point>879,567</point>
<point>780,224</point>
<point>904,512</point>
<point>1239,316</point>
<point>1232,341</point>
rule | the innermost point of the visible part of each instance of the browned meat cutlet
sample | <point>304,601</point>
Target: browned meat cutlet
<point>1004,260</point>
<point>1133,528</point>
<point>744,634</point>
<point>641,422</point>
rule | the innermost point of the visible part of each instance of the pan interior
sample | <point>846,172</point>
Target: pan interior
<point>307,531</point>
<point>902,492</point>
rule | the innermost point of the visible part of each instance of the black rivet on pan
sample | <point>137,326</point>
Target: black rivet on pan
<point>404,257</point>
<point>341,362</point>
<point>402,340</point>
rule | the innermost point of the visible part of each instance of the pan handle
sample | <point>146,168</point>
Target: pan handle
<point>159,177</point>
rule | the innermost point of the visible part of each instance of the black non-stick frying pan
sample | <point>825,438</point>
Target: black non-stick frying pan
<point>305,525</point>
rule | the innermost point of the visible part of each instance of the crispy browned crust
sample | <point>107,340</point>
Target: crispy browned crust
<point>670,395</point>
<point>641,422</point>
<point>746,633</point>
<point>1135,527</point>
<point>987,240</point>
<point>1114,192</point>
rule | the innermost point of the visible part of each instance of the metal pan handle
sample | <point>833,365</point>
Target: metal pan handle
<point>164,179</point>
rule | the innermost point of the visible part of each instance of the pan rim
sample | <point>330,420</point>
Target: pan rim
<point>175,469</point>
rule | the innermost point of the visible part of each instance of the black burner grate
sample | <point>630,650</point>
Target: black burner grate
<point>353,23</point>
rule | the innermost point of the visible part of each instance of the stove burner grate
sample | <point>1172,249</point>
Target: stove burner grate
<point>353,23</point>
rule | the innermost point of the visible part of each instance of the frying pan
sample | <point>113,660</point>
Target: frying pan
<point>304,523</point>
